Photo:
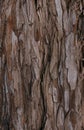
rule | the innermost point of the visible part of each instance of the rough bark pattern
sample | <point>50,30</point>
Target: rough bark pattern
<point>41,65</point>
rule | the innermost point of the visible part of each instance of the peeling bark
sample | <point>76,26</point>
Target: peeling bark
<point>42,65</point>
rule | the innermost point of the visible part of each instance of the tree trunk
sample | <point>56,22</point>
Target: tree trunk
<point>41,65</point>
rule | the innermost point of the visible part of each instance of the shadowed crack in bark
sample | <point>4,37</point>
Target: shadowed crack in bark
<point>6,124</point>
<point>44,115</point>
<point>44,118</point>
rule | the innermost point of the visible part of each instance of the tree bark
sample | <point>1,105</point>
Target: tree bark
<point>41,65</point>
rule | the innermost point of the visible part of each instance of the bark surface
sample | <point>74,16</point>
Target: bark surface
<point>41,65</point>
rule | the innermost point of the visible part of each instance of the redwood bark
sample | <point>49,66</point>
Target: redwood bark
<point>41,65</point>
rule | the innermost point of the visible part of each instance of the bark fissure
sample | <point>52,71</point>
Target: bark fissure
<point>44,118</point>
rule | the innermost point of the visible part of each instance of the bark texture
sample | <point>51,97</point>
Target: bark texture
<point>41,65</point>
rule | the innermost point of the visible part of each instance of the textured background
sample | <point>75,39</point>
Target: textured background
<point>41,65</point>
